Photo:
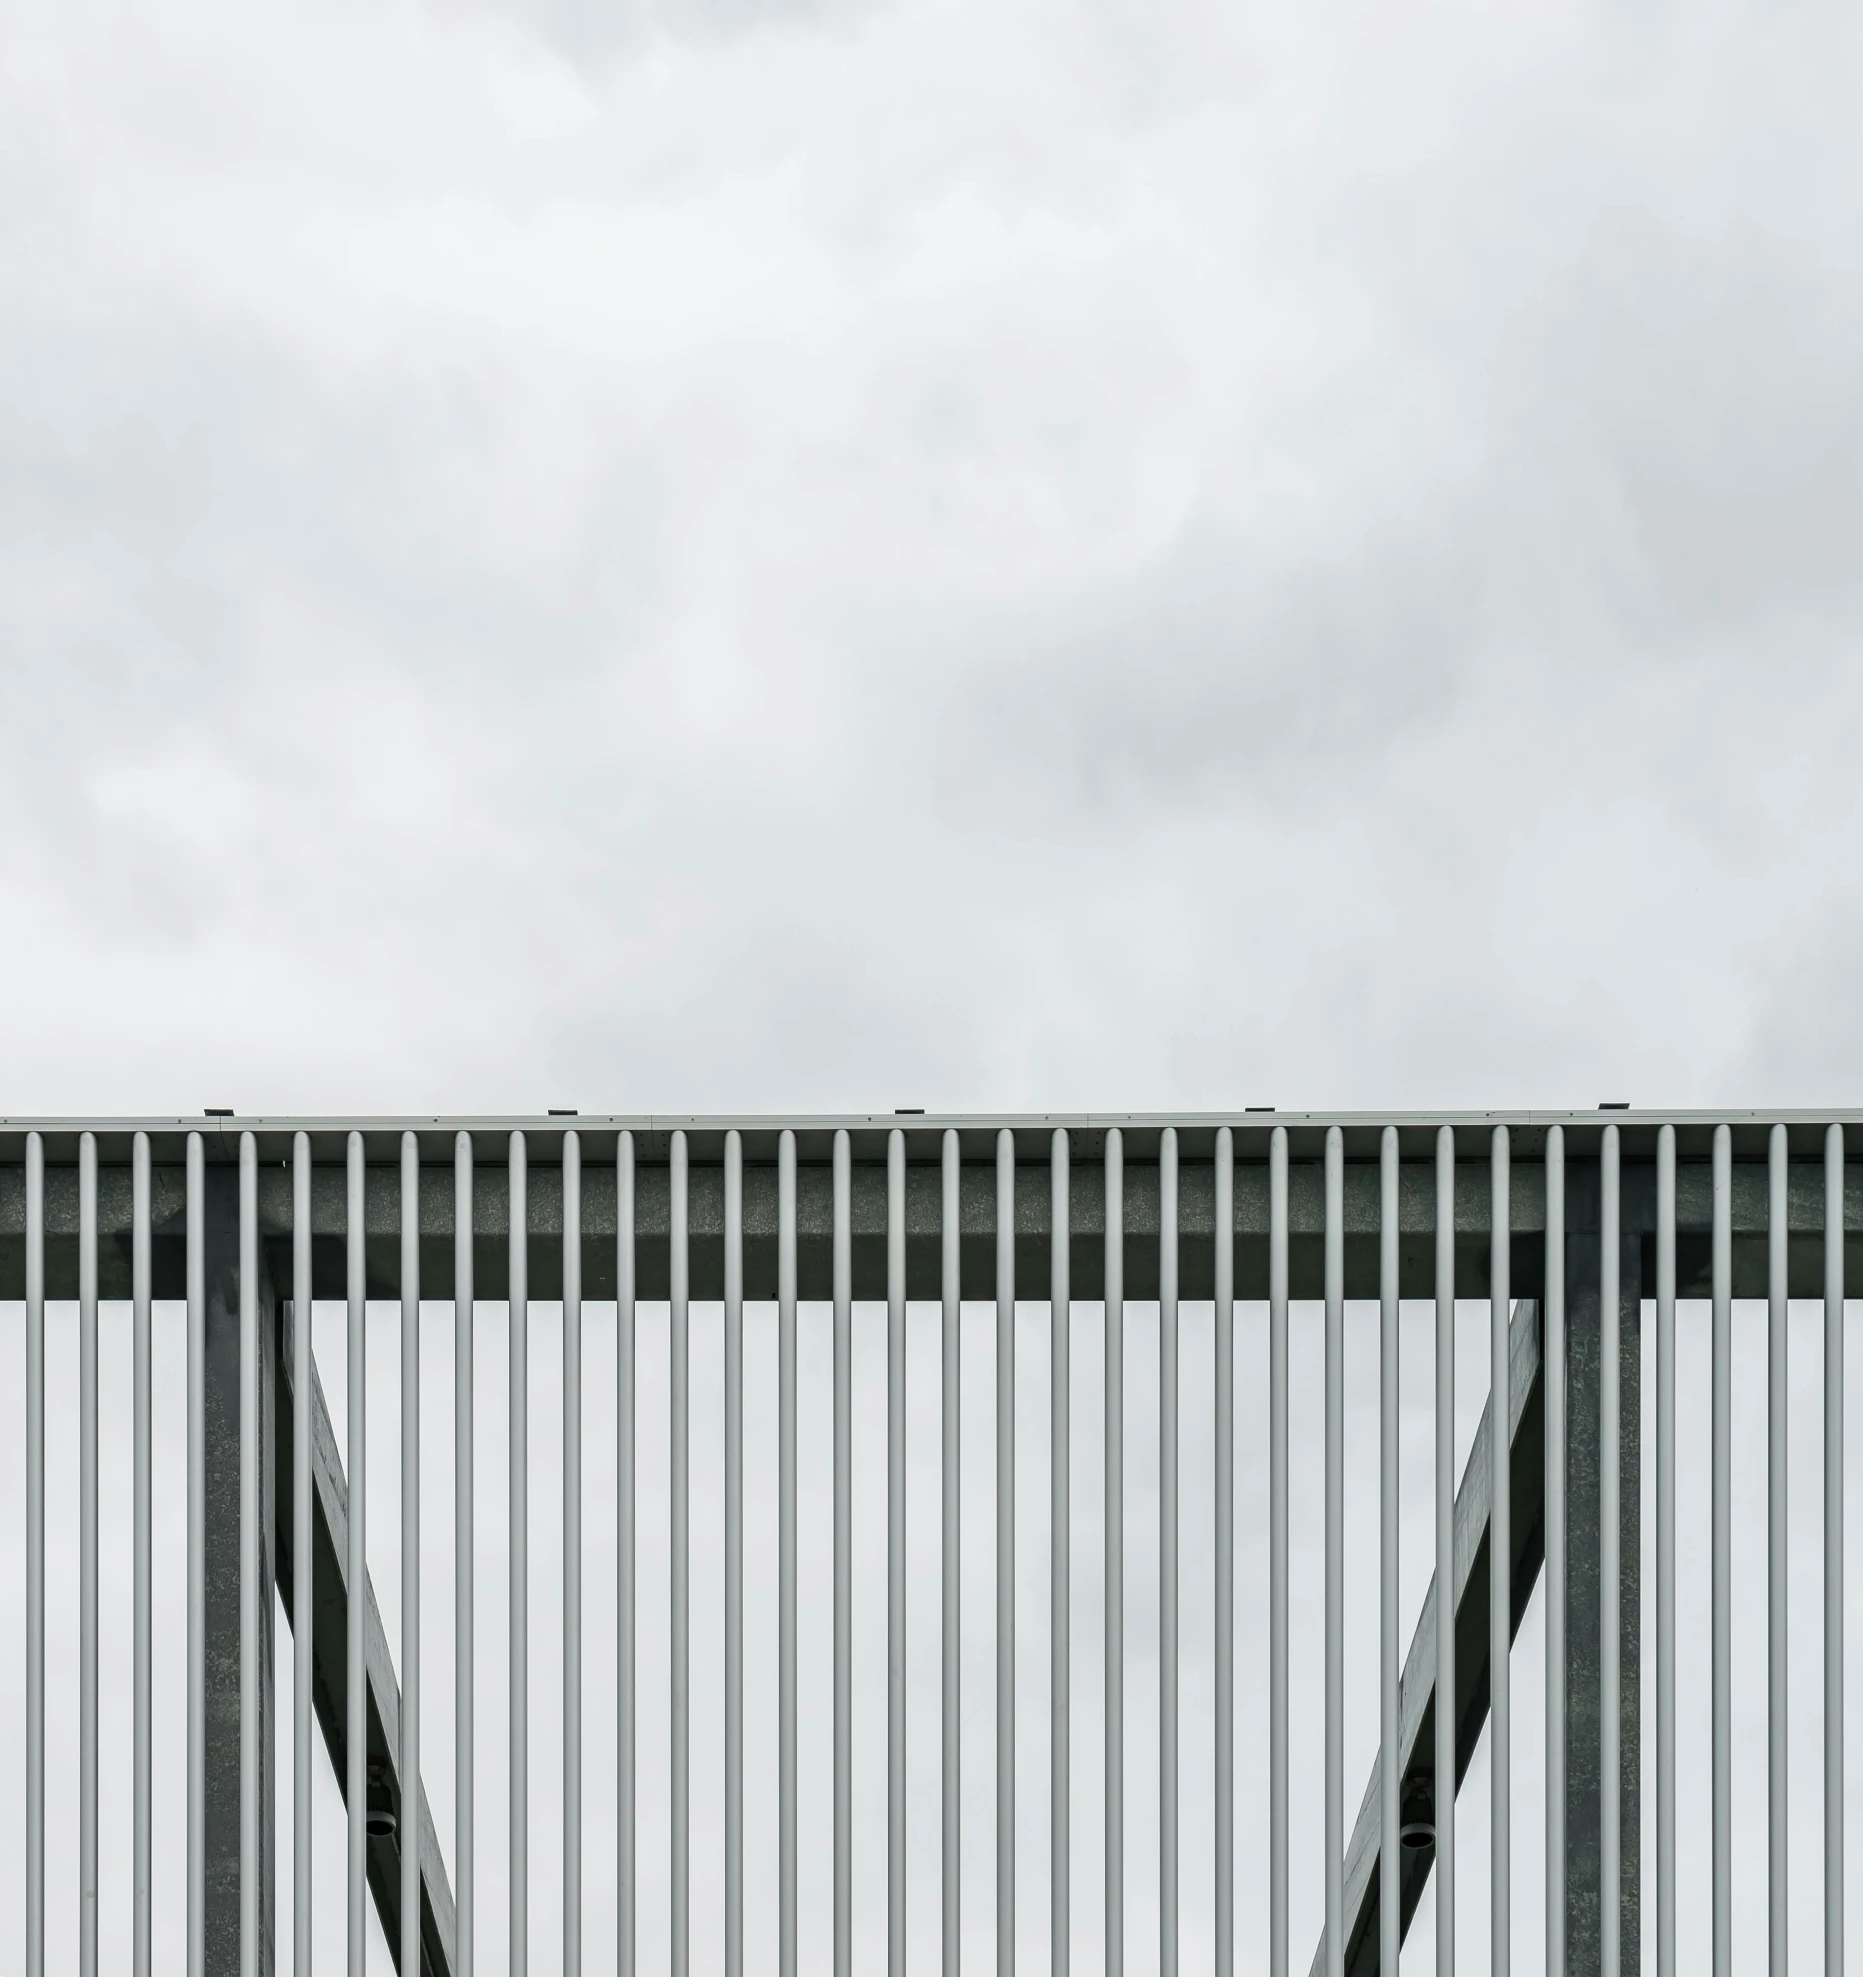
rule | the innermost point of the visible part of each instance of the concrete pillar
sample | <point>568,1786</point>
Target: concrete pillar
<point>1583,1767</point>
<point>221,1871</point>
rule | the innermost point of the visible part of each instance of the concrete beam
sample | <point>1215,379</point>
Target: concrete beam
<point>329,1623</point>
<point>1583,1608</point>
<point>1471,1564</point>
<point>977,1210</point>
<point>220,1873</point>
<point>1584,1781</point>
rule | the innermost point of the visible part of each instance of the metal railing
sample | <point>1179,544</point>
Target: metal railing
<point>1564,1223</point>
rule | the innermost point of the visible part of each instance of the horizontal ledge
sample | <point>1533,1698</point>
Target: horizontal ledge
<point>869,1132</point>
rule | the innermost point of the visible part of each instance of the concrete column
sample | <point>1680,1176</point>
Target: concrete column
<point>1583,1765</point>
<point>221,1871</point>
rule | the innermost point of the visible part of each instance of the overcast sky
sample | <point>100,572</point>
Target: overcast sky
<point>716,555</point>
<point>849,553</point>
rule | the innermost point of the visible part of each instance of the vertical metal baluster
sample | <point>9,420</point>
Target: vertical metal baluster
<point>356,1374</point>
<point>197,1517</point>
<point>462,1552</point>
<point>734,1550</point>
<point>843,1564</point>
<point>1335,1552</point>
<point>141,1291</point>
<point>1834,1548</point>
<point>1777,1720</point>
<point>1060,1375</point>
<point>87,1554</point>
<point>253,1585</point>
<point>950,1246</point>
<point>35,1567</point>
<point>1167,1552</point>
<point>572,1554</point>
<point>1005,1552</point>
<point>1443,1783</point>
<point>1665,1552</point>
<point>1390,1664</point>
<point>1553,1356</point>
<point>518,1348</point>
<point>1115,1554</point>
<point>896,1553</point>
<point>1610,1566</point>
<point>303,1631</point>
<point>1501,1556</point>
<point>1277,1553</point>
<point>408,1832</point>
<point>680,1274</point>
<point>1225,1318</point>
<point>1723,1266</point>
<point>786,1547</point>
<point>625,1427</point>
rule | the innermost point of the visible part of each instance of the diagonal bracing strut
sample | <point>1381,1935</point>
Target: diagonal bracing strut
<point>329,1633</point>
<point>1417,1711</point>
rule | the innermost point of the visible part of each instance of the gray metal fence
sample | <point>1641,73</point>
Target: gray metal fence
<point>1566,1224</point>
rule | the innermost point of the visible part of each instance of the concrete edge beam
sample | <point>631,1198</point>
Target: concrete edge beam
<point>977,1209</point>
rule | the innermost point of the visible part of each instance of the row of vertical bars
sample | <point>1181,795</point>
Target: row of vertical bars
<point>1500,1615</point>
<point>1721,1572</point>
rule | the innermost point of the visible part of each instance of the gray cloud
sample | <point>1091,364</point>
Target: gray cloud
<point>996,555</point>
<point>704,555</point>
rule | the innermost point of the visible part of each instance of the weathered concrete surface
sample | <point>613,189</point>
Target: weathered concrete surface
<point>1417,1708</point>
<point>924,1208</point>
<point>1583,1585</point>
<point>329,1671</point>
<point>221,1866</point>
